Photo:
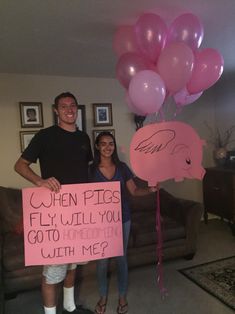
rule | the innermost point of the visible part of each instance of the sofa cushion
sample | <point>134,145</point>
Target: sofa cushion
<point>19,228</point>
<point>143,229</point>
<point>143,203</point>
<point>168,202</point>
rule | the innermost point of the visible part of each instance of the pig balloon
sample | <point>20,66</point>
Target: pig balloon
<point>166,150</point>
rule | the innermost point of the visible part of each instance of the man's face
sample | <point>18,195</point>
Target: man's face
<point>67,111</point>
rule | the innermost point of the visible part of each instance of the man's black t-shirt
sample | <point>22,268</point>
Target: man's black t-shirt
<point>62,154</point>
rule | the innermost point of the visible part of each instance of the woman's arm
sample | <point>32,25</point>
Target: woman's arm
<point>136,191</point>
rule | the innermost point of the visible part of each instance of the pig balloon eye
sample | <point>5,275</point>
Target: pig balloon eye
<point>188,161</point>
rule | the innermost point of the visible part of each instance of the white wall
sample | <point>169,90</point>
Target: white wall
<point>18,88</point>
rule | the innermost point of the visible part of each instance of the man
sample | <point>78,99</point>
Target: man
<point>64,153</point>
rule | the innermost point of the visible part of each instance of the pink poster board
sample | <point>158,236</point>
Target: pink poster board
<point>82,222</point>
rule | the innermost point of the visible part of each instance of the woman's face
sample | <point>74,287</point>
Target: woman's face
<point>106,146</point>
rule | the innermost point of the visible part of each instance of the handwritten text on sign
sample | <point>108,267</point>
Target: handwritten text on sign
<point>80,223</point>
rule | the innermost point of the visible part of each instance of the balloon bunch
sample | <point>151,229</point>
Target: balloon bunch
<point>156,61</point>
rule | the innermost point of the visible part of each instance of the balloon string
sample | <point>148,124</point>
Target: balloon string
<point>161,113</point>
<point>178,110</point>
<point>162,289</point>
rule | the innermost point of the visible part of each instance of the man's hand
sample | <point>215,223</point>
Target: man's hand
<point>51,183</point>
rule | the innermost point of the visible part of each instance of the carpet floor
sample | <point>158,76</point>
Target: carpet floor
<point>216,277</point>
<point>184,297</point>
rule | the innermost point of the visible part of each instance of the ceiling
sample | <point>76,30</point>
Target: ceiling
<point>74,37</point>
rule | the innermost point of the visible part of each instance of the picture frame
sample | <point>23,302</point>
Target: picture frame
<point>96,132</point>
<point>31,114</point>
<point>25,138</point>
<point>81,118</point>
<point>103,114</point>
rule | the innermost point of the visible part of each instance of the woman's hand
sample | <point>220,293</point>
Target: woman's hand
<point>154,189</point>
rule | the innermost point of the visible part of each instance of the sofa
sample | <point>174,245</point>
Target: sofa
<point>180,220</point>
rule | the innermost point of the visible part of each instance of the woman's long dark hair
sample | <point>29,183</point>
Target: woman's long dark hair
<point>96,160</point>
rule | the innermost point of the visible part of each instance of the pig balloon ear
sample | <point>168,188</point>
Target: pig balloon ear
<point>178,148</point>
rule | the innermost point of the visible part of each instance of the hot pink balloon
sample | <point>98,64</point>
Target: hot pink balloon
<point>183,97</point>
<point>151,33</point>
<point>175,65</point>
<point>128,65</point>
<point>132,108</point>
<point>124,40</point>
<point>186,28</point>
<point>147,91</point>
<point>207,70</point>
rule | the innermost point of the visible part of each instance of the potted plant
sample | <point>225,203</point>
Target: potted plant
<point>220,140</point>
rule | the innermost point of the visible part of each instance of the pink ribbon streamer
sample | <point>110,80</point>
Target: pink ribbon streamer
<point>162,289</point>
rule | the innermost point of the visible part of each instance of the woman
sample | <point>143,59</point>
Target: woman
<point>107,167</point>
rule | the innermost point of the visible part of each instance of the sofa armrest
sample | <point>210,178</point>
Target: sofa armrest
<point>1,261</point>
<point>178,208</point>
<point>192,212</point>
<point>186,212</point>
<point>1,278</point>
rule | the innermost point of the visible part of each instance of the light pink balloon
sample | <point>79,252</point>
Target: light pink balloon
<point>186,28</point>
<point>207,70</point>
<point>124,40</point>
<point>175,65</point>
<point>128,65</point>
<point>183,98</point>
<point>132,108</point>
<point>147,91</point>
<point>151,32</point>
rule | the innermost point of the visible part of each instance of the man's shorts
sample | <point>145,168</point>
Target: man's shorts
<point>57,273</point>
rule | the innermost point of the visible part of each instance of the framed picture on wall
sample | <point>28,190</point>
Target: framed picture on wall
<point>102,114</point>
<point>31,114</point>
<point>25,138</point>
<point>96,133</point>
<point>81,118</point>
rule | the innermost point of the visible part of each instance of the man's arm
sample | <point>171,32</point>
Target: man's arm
<point>22,166</point>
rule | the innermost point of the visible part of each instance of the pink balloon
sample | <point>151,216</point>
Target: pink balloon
<point>128,65</point>
<point>124,40</point>
<point>151,34</point>
<point>183,98</point>
<point>186,28</point>
<point>175,65</point>
<point>207,70</point>
<point>147,91</point>
<point>132,108</point>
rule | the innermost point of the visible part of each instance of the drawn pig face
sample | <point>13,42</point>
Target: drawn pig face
<point>187,165</point>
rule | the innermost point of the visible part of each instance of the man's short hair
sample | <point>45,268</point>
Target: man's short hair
<point>64,95</point>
